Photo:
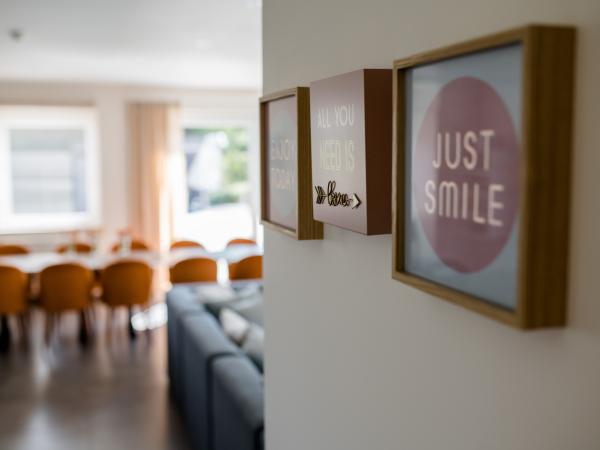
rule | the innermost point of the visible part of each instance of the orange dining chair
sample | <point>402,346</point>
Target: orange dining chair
<point>66,287</point>
<point>10,249</point>
<point>80,247</point>
<point>13,296</point>
<point>194,270</point>
<point>246,269</point>
<point>238,241</point>
<point>126,283</point>
<point>136,245</point>
<point>186,244</point>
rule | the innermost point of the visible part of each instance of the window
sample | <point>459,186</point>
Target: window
<point>48,169</point>
<point>216,201</point>
<point>216,166</point>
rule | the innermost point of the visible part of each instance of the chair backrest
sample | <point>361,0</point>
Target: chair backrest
<point>238,241</point>
<point>136,245</point>
<point>65,287</point>
<point>10,249</point>
<point>80,247</point>
<point>13,290</point>
<point>185,244</point>
<point>194,270</point>
<point>246,269</point>
<point>126,283</point>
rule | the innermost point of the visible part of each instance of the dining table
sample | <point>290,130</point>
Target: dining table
<point>35,262</point>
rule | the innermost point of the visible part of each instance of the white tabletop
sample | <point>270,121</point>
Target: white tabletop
<point>231,253</point>
<point>33,263</point>
<point>36,262</point>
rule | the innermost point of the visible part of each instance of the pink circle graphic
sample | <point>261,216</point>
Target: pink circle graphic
<point>465,174</point>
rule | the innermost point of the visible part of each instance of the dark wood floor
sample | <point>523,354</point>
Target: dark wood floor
<point>111,395</point>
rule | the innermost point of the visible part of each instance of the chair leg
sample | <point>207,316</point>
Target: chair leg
<point>24,329</point>
<point>84,332</point>
<point>148,330</point>
<point>93,316</point>
<point>57,323</point>
<point>90,320</point>
<point>50,322</point>
<point>110,319</point>
<point>5,336</point>
<point>132,334</point>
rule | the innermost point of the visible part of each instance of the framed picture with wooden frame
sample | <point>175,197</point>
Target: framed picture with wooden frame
<point>481,173</point>
<point>286,182</point>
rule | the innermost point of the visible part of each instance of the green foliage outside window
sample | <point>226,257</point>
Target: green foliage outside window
<point>233,185</point>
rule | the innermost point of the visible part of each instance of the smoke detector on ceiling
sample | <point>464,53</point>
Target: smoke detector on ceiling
<point>16,34</point>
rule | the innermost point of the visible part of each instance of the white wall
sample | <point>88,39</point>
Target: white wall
<point>111,103</point>
<point>358,361</point>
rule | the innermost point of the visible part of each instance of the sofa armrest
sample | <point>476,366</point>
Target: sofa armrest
<point>203,342</point>
<point>238,399</point>
<point>181,302</point>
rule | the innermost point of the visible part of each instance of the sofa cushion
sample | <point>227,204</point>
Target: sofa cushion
<point>234,326</point>
<point>238,405</point>
<point>250,307</point>
<point>249,336</point>
<point>254,344</point>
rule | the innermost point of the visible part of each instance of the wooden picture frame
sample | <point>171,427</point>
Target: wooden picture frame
<point>306,228</point>
<point>544,158</point>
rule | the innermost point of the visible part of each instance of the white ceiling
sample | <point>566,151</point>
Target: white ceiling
<point>199,43</point>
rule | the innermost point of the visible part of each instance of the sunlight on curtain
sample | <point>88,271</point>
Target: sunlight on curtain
<point>155,141</point>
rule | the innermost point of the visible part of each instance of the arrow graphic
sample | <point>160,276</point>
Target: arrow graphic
<point>357,201</point>
<point>320,195</point>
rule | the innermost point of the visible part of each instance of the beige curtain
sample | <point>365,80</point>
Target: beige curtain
<point>155,132</point>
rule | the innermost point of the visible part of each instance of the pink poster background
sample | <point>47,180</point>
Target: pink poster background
<point>461,230</point>
<point>469,93</point>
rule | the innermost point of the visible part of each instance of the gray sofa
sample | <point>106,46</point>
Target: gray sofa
<point>216,387</point>
<point>179,305</point>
